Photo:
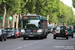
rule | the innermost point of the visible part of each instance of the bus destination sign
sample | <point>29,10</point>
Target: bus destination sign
<point>31,17</point>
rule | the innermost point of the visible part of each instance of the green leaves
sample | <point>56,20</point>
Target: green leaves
<point>54,8</point>
<point>73,1</point>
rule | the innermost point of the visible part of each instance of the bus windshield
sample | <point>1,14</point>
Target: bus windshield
<point>31,24</point>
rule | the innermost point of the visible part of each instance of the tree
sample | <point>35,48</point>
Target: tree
<point>73,1</point>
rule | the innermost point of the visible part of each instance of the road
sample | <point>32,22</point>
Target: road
<point>39,44</point>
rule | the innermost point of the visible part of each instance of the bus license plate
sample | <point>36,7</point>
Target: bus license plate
<point>31,35</point>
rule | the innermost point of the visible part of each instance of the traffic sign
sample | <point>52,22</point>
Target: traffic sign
<point>10,18</point>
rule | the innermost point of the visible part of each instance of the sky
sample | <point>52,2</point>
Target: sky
<point>69,3</point>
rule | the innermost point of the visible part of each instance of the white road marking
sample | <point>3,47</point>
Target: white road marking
<point>27,45</point>
<point>49,36</point>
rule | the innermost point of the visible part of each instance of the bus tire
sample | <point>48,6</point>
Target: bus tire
<point>72,36</point>
<point>24,38</point>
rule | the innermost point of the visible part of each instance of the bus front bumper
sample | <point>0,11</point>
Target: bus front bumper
<point>32,35</point>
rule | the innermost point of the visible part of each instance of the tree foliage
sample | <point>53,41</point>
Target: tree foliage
<point>58,12</point>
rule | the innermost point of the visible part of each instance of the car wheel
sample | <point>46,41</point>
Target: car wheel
<point>66,37</point>
<point>4,39</point>
<point>1,39</point>
<point>54,37</point>
<point>72,36</point>
<point>24,38</point>
<point>19,35</point>
<point>14,37</point>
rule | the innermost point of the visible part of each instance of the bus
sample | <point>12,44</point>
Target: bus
<point>34,26</point>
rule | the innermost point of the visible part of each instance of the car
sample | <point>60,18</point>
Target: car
<point>70,32</point>
<point>50,28</point>
<point>18,34</point>
<point>2,35</point>
<point>10,32</point>
<point>72,28</point>
<point>60,31</point>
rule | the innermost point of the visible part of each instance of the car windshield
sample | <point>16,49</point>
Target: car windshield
<point>31,24</point>
<point>58,28</point>
<point>63,27</point>
<point>8,29</point>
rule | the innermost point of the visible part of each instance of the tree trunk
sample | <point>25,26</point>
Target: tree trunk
<point>8,23</point>
<point>4,16</point>
<point>47,18</point>
<point>20,15</point>
<point>17,21</point>
<point>13,21</point>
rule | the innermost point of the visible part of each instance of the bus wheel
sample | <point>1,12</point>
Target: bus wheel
<point>72,36</point>
<point>24,38</point>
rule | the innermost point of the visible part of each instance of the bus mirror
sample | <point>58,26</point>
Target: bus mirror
<point>42,20</point>
<point>39,22</point>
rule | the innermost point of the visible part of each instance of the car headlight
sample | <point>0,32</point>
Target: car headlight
<point>22,30</point>
<point>4,32</point>
<point>40,30</point>
<point>12,33</point>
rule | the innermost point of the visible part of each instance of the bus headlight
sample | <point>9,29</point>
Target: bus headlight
<point>23,30</point>
<point>0,33</point>
<point>39,31</point>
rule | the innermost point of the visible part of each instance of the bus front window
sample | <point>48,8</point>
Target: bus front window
<point>31,24</point>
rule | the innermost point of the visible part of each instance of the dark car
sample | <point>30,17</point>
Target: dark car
<point>2,35</point>
<point>10,32</point>
<point>60,31</point>
<point>70,31</point>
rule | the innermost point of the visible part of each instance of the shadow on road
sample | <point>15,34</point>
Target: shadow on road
<point>31,39</point>
<point>62,39</point>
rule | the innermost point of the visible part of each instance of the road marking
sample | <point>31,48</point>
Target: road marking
<point>27,45</point>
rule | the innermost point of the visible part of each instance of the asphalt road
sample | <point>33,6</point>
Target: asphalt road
<point>39,44</point>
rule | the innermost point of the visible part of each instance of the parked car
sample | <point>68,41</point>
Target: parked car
<point>50,28</point>
<point>70,31</point>
<point>18,33</point>
<point>10,32</point>
<point>72,28</point>
<point>60,31</point>
<point>2,35</point>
